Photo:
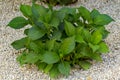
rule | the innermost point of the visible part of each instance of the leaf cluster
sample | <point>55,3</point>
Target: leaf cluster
<point>59,39</point>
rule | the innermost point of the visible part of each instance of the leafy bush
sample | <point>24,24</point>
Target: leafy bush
<point>61,2</point>
<point>59,39</point>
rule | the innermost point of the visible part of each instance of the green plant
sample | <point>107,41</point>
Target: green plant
<point>60,39</point>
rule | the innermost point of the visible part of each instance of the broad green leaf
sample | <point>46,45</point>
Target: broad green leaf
<point>31,58</point>
<point>85,64</point>
<point>79,30</point>
<point>69,18</point>
<point>103,48</point>
<point>85,13</point>
<point>50,44</point>
<point>65,11</point>
<point>34,47</point>
<point>60,15</point>
<point>79,39</point>
<point>67,45</point>
<point>54,22</point>
<point>104,32</point>
<point>48,16</point>
<point>61,27</point>
<point>39,24</point>
<point>18,44</point>
<point>64,68</point>
<point>86,35</point>
<point>69,28</point>
<point>54,72</point>
<point>26,31</point>
<point>96,37</point>
<point>102,19</point>
<point>48,68</point>
<point>94,47</point>
<point>27,58</point>
<point>39,11</point>
<point>35,33</point>
<point>26,10</point>
<point>56,47</point>
<point>94,13</point>
<point>78,55</point>
<point>18,22</point>
<point>68,10</point>
<point>50,57</point>
<point>56,35</point>
<point>95,56</point>
<point>21,58</point>
<point>41,66</point>
<point>41,46</point>
<point>84,50</point>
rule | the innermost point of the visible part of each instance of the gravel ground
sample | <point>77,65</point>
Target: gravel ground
<point>109,69</point>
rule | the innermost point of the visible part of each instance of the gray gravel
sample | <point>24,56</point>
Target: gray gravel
<point>109,69</point>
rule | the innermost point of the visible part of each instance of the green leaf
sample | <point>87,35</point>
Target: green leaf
<point>84,50</point>
<point>60,15</point>
<point>104,32</point>
<point>86,35</point>
<point>96,37</point>
<point>50,44</point>
<point>94,47</point>
<point>35,33</point>
<point>41,66</point>
<point>26,31</point>
<point>79,39</point>
<point>102,19</point>
<point>48,68</point>
<point>67,45</point>
<point>85,64</point>
<point>18,44</point>
<point>103,48</point>
<point>34,47</point>
<point>18,22</point>
<point>95,56</point>
<point>94,13</point>
<point>40,46</point>
<point>56,47</point>
<point>54,72</point>
<point>64,68</point>
<point>48,16</point>
<point>27,58</point>
<point>67,10</point>
<point>21,58</point>
<point>69,28</point>
<point>56,35</point>
<point>85,13</point>
<point>79,30</point>
<point>31,58</point>
<point>54,22</point>
<point>50,57</point>
<point>26,10</point>
<point>39,11</point>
